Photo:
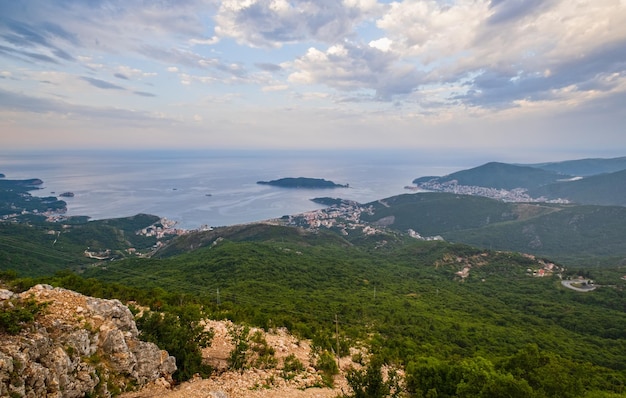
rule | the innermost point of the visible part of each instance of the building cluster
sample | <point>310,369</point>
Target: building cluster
<point>545,268</point>
<point>161,229</point>
<point>506,195</point>
<point>345,218</point>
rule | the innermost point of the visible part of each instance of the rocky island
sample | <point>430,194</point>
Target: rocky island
<point>303,182</point>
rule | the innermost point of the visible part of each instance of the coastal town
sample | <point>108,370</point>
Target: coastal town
<point>513,195</point>
<point>345,218</point>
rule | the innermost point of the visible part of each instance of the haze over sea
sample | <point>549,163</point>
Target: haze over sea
<point>217,188</point>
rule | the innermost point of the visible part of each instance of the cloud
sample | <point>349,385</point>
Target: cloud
<point>505,11</point>
<point>353,67</point>
<point>30,104</point>
<point>102,84</point>
<point>268,67</point>
<point>111,26</point>
<point>501,52</point>
<point>26,56</point>
<point>435,60</point>
<point>44,40</point>
<point>144,94</point>
<point>272,23</point>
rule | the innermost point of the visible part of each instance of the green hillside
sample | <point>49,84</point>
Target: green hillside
<point>248,233</point>
<point>584,167</point>
<point>407,302</point>
<point>424,306</point>
<point>574,235</point>
<point>435,213</point>
<point>42,248</point>
<point>569,233</point>
<point>500,176</point>
<point>603,189</point>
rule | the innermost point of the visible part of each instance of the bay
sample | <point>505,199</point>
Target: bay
<point>217,188</point>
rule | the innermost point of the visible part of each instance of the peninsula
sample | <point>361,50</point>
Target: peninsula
<point>303,182</point>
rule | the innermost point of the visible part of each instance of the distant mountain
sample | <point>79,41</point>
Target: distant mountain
<point>584,167</point>
<point>603,189</point>
<point>500,176</point>
<point>585,181</point>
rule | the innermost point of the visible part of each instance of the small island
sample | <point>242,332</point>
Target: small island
<point>303,182</point>
<point>67,194</point>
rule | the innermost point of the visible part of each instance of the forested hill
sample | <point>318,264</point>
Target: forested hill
<point>429,306</point>
<point>584,167</point>
<point>586,181</point>
<point>573,234</point>
<point>604,189</point>
<point>500,176</point>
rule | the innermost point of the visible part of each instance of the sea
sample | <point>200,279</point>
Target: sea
<point>218,187</point>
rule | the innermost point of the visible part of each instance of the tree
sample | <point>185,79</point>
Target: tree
<point>370,383</point>
<point>182,335</point>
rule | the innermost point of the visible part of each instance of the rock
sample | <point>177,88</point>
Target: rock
<point>78,346</point>
<point>6,294</point>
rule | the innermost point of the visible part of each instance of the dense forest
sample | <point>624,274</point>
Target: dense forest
<point>497,331</point>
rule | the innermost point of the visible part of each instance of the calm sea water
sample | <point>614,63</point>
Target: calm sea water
<point>216,188</point>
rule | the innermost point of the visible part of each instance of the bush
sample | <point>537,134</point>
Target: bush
<point>370,383</point>
<point>238,358</point>
<point>182,335</point>
<point>16,314</point>
<point>327,364</point>
<point>291,367</point>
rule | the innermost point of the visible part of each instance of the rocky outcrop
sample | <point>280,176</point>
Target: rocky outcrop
<point>77,346</point>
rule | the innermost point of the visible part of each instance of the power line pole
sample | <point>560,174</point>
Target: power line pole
<point>218,297</point>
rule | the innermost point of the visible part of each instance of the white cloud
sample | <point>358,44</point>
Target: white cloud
<point>272,23</point>
<point>351,67</point>
<point>383,44</point>
<point>432,29</point>
<point>277,87</point>
<point>131,72</point>
<point>205,42</point>
<point>428,62</point>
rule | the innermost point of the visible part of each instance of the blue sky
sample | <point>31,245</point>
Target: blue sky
<point>531,79</point>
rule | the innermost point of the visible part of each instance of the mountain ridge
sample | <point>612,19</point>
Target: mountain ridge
<point>541,182</point>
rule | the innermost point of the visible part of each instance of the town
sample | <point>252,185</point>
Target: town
<point>513,195</point>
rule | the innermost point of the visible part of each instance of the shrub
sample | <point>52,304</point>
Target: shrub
<point>291,367</point>
<point>327,364</point>
<point>16,314</point>
<point>182,335</point>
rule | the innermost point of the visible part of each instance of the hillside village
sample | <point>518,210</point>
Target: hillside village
<point>514,195</point>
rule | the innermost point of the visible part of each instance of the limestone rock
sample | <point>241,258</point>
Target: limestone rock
<point>77,346</point>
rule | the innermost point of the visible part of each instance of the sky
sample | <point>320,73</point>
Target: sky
<point>532,79</point>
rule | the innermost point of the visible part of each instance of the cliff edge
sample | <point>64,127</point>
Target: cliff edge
<point>77,346</point>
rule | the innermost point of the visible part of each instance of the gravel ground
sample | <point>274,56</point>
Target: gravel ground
<point>252,383</point>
